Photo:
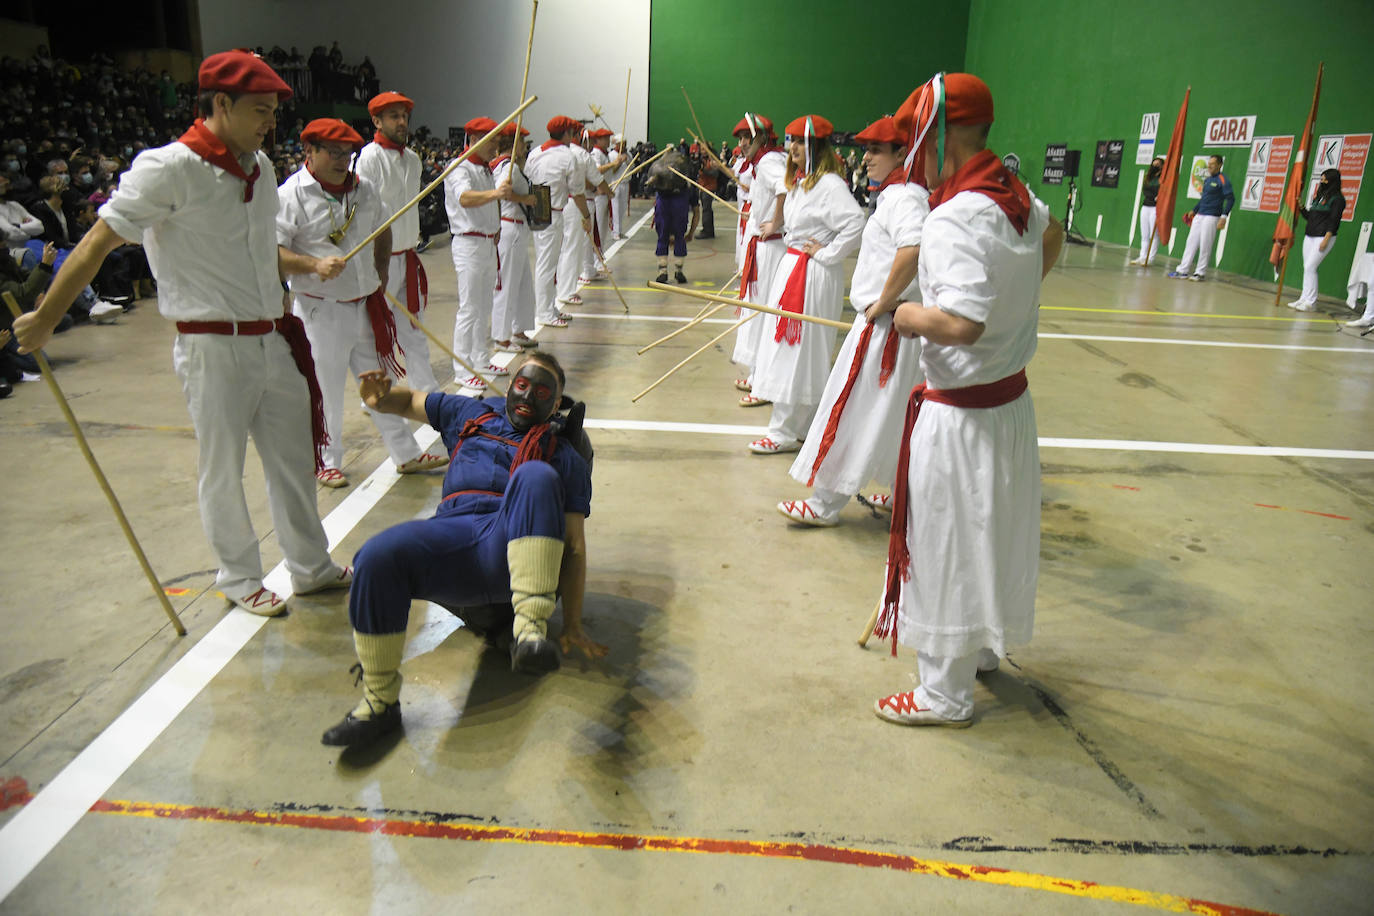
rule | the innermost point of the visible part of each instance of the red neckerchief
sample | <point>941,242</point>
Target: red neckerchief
<point>202,141</point>
<point>478,161</point>
<point>550,144</point>
<point>896,176</point>
<point>986,175</point>
<point>386,142</point>
<point>763,151</point>
<point>349,183</point>
<point>499,161</point>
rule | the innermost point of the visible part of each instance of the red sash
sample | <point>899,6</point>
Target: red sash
<point>203,142</point>
<point>417,283</point>
<point>384,332</point>
<point>744,217</point>
<point>793,300</point>
<point>888,365</point>
<point>993,394</point>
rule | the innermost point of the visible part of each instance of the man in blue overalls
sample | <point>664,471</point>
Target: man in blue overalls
<point>509,529</point>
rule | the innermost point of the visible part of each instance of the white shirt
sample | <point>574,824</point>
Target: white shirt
<point>827,214</point>
<point>590,176</point>
<point>555,167</point>
<point>395,175</point>
<point>500,172</point>
<point>620,161</point>
<point>306,216</point>
<point>599,158</point>
<point>767,179</point>
<point>896,223</point>
<point>214,256</point>
<point>743,178</point>
<point>969,255</point>
<point>17,224</point>
<point>469,176</point>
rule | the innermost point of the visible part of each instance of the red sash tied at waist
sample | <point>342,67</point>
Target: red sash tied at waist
<point>293,329</point>
<point>417,282</point>
<point>886,368</point>
<point>793,300</point>
<point>993,394</point>
<point>744,216</point>
<point>749,272</point>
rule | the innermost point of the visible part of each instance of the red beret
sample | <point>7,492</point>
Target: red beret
<point>600,132</point>
<point>883,130</point>
<point>820,127</point>
<point>239,71</point>
<point>561,124</point>
<point>330,130</point>
<point>968,100</point>
<point>384,99</point>
<point>760,124</point>
<point>509,130</point>
<point>479,126</point>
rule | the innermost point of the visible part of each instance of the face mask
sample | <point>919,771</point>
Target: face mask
<point>128,151</point>
<point>21,149</point>
<point>12,165</point>
<point>86,179</point>
<point>65,180</point>
<point>532,397</point>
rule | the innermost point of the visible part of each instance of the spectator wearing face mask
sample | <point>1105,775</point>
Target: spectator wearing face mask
<point>17,225</point>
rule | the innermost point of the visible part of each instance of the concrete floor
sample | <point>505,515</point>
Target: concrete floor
<point>1190,724</point>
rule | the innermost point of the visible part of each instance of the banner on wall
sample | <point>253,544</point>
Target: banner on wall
<point>1056,160</point>
<point>1232,131</point>
<point>1107,163</point>
<point>1348,153</point>
<point>1262,190</point>
<point>1149,132</point>
<point>1196,176</point>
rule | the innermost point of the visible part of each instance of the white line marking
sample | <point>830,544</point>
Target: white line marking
<point>41,824</point>
<point>621,316</point>
<point>1204,343</point>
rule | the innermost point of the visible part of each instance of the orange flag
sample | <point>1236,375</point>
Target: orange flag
<point>1168,179</point>
<point>1292,197</point>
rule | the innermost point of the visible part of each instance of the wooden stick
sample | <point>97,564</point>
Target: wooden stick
<point>644,164</point>
<point>100,477</point>
<point>714,158</point>
<point>441,345</point>
<point>728,205</point>
<point>424,192</point>
<point>696,320</point>
<point>625,118</point>
<point>695,119</point>
<point>525,79</point>
<point>706,346</point>
<point>767,310</point>
<point>872,622</point>
<point>610,274</point>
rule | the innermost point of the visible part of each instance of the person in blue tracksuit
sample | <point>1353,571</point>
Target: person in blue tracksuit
<point>1209,216</point>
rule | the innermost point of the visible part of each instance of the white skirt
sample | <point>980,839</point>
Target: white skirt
<point>747,337</point>
<point>868,436</point>
<point>973,529</point>
<point>796,373</point>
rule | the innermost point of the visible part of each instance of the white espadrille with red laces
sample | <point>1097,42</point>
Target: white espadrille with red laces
<point>803,511</point>
<point>767,446</point>
<point>472,383</point>
<point>901,709</point>
<point>558,321</point>
<point>341,579</point>
<point>743,384</point>
<point>331,477</point>
<point>493,369</point>
<point>429,461</point>
<point>882,502</point>
<point>574,299</point>
<point>262,602</point>
<point>750,401</point>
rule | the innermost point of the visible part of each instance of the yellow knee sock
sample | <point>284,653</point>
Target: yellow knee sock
<point>534,564</point>
<point>380,656</point>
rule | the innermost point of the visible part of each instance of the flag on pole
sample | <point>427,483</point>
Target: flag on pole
<point>1292,197</point>
<point>1168,179</point>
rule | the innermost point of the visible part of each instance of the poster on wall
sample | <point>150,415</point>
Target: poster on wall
<point>1149,132</point>
<point>1107,163</point>
<point>1055,155</point>
<point>1196,176</point>
<point>1231,131</point>
<point>1262,190</point>
<point>1347,153</point>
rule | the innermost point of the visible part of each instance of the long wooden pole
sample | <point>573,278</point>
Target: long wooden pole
<point>525,79</point>
<point>706,312</point>
<point>419,326</point>
<point>100,477</point>
<point>644,164</point>
<point>625,118</point>
<point>610,274</point>
<point>424,192</point>
<point>704,347</point>
<point>754,306</point>
<point>714,158</point>
<point>692,109</point>
<point>722,200</point>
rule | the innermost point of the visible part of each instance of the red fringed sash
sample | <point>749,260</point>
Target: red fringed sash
<point>384,332</point>
<point>293,329</point>
<point>793,300</point>
<point>417,283</point>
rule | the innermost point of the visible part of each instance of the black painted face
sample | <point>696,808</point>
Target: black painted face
<point>532,397</point>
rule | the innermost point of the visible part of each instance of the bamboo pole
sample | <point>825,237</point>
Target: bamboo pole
<point>525,79</point>
<point>704,347</point>
<point>728,205</point>
<point>424,192</point>
<point>697,319</point>
<point>644,164</point>
<point>692,109</point>
<point>714,158</point>
<point>625,117</point>
<point>767,310</point>
<point>419,326</point>
<point>100,477</point>
<point>610,274</point>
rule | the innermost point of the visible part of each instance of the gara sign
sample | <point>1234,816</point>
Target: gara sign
<point>1235,131</point>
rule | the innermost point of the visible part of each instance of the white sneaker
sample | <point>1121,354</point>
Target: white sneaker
<point>1305,306</point>
<point>1366,321</point>
<point>103,312</point>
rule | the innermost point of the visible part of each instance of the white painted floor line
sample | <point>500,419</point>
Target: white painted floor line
<point>673,319</point>
<point>1121,445</point>
<point>1204,343</point>
<point>41,824</point>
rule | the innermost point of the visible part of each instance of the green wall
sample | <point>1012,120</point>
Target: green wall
<point>851,62</point>
<point>1077,71</point>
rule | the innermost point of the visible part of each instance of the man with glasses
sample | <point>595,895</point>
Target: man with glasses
<point>324,212</point>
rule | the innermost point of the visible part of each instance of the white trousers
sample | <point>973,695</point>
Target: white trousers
<point>1312,257</point>
<point>789,421</point>
<point>474,261</point>
<point>419,373</point>
<point>1202,238</point>
<point>241,386</point>
<point>341,340</point>
<point>512,306</point>
<point>947,683</point>
<point>575,243</point>
<point>1149,235</point>
<point>548,244</point>
<point>590,265</point>
<point>620,209</point>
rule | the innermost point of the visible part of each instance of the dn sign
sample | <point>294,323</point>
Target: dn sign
<point>1237,131</point>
